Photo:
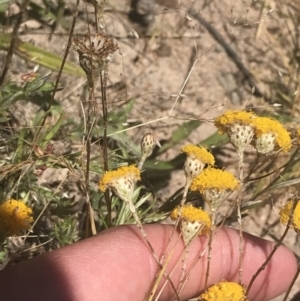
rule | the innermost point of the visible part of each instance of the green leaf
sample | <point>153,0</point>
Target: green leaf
<point>117,121</point>
<point>215,140</point>
<point>181,133</point>
<point>3,5</point>
<point>6,102</point>
<point>127,143</point>
<point>20,147</point>
<point>153,166</point>
<point>52,132</point>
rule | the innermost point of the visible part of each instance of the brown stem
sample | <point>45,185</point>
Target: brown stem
<point>292,283</point>
<point>239,214</point>
<point>103,80</point>
<point>213,216</point>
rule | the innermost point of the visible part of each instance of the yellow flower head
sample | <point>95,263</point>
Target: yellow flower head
<point>121,181</point>
<point>200,153</point>
<point>15,216</point>
<point>191,214</point>
<point>195,161</point>
<point>217,179</point>
<point>224,291</point>
<point>269,132</point>
<point>285,215</point>
<point>115,175</point>
<point>193,221</point>
<point>239,127</point>
<point>225,121</point>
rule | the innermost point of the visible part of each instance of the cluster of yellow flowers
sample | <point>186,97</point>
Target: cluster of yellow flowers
<point>211,182</point>
<point>15,216</point>
<point>244,128</point>
<point>266,134</point>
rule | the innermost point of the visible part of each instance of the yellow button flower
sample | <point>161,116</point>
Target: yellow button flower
<point>15,216</point>
<point>239,127</point>
<point>200,153</point>
<point>270,134</point>
<point>192,214</point>
<point>213,183</point>
<point>197,157</point>
<point>193,221</point>
<point>224,291</point>
<point>121,181</point>
<point>213,178</point>
<point>285,215</point>
<point>225,121</point>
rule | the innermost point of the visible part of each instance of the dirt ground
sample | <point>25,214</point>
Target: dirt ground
<point>177,71</point>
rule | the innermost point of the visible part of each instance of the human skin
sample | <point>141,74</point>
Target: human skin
<point>117,265</point>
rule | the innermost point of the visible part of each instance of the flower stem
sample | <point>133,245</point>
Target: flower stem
<point>239,214</point>
<point>213,216</point>
<point>278,244</point>
<point>141,228</point>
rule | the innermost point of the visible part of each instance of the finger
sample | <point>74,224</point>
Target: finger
<point>117,265</point>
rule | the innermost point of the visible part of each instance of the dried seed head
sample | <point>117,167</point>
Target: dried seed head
<point>94,51</point>
<point>99,46</point>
